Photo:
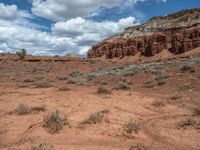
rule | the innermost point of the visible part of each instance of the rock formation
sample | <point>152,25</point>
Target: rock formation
<point>178,33</point>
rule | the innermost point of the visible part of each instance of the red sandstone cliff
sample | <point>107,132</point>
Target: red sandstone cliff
<point>178,33</point>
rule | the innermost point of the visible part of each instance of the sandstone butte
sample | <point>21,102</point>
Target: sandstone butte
<point>177,33</point>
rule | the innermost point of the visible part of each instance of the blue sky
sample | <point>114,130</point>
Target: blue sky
<point>59,27</point>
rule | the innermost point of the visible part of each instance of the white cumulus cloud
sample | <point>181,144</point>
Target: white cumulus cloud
<point>11,12</point>
<point>60,10</point>
<point>72,36</point>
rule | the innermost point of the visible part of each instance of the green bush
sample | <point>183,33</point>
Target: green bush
<point>21,53</point>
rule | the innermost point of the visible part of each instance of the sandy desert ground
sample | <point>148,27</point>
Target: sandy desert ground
<point>106,104</point>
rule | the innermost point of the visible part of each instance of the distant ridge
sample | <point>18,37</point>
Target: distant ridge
<point>178,33</point>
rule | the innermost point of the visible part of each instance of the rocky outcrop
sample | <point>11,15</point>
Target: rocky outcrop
<point>178,33</point>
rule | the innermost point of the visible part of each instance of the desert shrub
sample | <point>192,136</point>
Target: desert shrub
<point>43,146</point>
<point>148,82</point>
<point>185,67</point>
<point>149,86</point>
<point>22,85</point>
<point>196,111</point>
<point>186,122</point>
<point>91,77</point>
<point>129,73</point>
<point>39,78</point>
<point>38,109</point>
<point>22,109</point>
<point>161,76</point>
<point>174,97</point>
<point>130,127</point>
<point>21,53</point>
<point>158,103</point>
<point>122,86</point>
<point>126,81</point>
<point>104,82</point>
<point>71,81</point>
<point>43,85</point>
<point>157,67</point>
<point>56,56</point>
<point>138,147</point>
<point>189,122</point>
<point>64,89</point>
<point>38,69</point>
<point>28,80</point>
<point>94,118</point>
<point>161,82</point>
<point>55,121</point>
<point>103,90</point>
<point>123,80</point>
<point>62,78</point>
<point>75,74</point>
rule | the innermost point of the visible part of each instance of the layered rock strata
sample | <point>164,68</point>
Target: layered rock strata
<point>178,33</point>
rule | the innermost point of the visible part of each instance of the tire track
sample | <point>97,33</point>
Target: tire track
<point>150,126</point>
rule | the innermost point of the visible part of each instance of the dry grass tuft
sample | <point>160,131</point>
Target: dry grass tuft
<point>22,109</point>
<point>43,146</point>
<point>103,90</point>
<point>161,76</point>
<point>161,82</point>
<point>122,86</point>
<point>55,121</point>
<point>131,127</point>
<point>185,67</point>
<point>38,109</point>
<point>43,85</point>
<point>190,122</point>
<point>138,147</point>
<point>158,103</point>
<point>64,89</point>
<point>196,111</point>
<point>95,118</point>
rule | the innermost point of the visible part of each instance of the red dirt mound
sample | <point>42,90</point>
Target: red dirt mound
<point>164,55</point>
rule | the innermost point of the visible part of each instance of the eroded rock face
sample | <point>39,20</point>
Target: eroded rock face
<point>149,39</point>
